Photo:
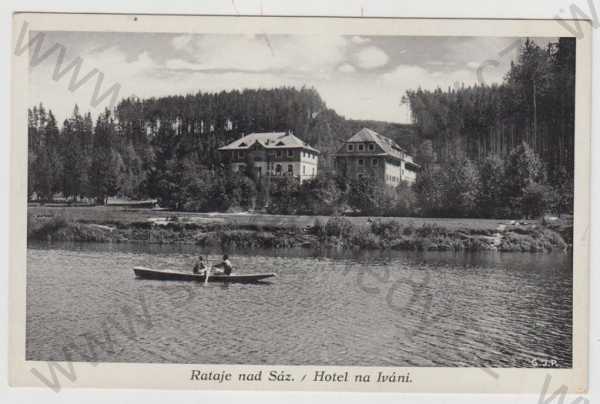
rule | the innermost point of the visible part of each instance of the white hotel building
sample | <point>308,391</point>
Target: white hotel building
<point>274,154</point>
<point>374,156</point>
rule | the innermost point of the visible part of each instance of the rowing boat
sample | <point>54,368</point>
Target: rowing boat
<point>148,273</point>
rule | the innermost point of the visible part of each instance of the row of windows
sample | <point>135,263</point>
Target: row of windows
<point>360,147</point>
<point>279,169</point>
<point>278,153</point>
<point>388,178</point>
<point>362,162</point>
<point>374,162</point>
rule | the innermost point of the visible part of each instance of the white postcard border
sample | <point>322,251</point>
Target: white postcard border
<point>177,376</point>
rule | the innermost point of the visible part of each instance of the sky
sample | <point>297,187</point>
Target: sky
<point>361,77</point>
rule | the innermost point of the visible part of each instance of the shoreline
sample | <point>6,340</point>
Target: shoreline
<point>46,224</point>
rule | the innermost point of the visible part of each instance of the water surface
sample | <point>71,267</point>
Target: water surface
<point>371,309</point>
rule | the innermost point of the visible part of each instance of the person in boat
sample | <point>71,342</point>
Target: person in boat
<point>225,265</point>
<point>200,266</point>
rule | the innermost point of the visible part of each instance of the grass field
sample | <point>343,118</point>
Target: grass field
<point>118,215</point>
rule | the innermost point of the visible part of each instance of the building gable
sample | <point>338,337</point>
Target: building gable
<point>369,153</point>
<point>269,140</point>
<point>368,147</point>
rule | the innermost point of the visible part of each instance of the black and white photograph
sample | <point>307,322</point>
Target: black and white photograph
<point>322,199</point>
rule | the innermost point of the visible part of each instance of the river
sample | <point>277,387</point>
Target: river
<point>373,309</point>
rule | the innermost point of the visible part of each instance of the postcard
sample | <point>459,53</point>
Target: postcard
<point>300,203</point>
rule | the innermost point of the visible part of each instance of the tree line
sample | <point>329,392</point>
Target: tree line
<point>512,144</point>
<point>153,148</point>
<point>491,151</point>
<point>514,187</point>
<point>535,104</point>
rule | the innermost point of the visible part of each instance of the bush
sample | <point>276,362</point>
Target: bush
<point>320,196</point>
<point>363,238</point>
<point>284,194</point>
<point>387,230</point>
<point>339,227</point>
<point>55,223</point>
<point>403,201</point>
<point>408,230</point>
<point>536,199</point>
<point>318,228</point>
<point>47,228</point>
<point>428,230</point>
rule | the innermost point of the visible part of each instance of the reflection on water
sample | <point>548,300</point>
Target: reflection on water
<point>383,308</point>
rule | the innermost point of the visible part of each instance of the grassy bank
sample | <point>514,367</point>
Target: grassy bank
<point>272,231</point>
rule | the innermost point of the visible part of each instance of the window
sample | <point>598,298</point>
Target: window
<point>259,169</point>
<point>374,162</point>
<point>371,147</point>
<point>278,169</point>
<point>290,169</point>
<point>350,147</point>
<point>278,153</point>
<point>303,169</point>
<point>313,171</point>
<point>240,154</point>
<point>290,153</point>
<point>361,162</point>
<point>361,147</point>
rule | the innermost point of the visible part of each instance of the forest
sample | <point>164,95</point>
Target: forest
<point>502,150</point>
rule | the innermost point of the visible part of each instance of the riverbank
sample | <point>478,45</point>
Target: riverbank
<point>270,231</point>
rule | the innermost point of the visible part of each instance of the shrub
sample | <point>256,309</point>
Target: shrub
<point>428,229</point>
<point>48,228</point>
<point>364,238</point>
<point>408,230</point>
<point>536,199</point>
<point>387,230</point>
<point>318,228</point>
<point>338,227</point>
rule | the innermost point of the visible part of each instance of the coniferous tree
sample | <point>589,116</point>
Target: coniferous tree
<point>492,200</point>
<point>460,187</point>
<point>523,172</point>
<point>167,147</point>
<point>107,165</point>
<point>48,166</point>
<point>74,156</point>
